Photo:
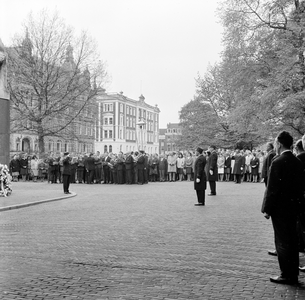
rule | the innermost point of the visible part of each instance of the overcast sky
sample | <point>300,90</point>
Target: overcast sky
<point>151,47</point>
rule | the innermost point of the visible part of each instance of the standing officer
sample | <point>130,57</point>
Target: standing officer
<point>200,180</point>
<point>212,170</point>
<point>282,203</point>
<point>66,173</point>
<point>267,162</point>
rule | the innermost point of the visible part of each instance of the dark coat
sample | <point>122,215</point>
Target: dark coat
<point>212,165</point>
<point>254,163</point>
<point>239,166</point>
<point>162,164</point>
<point>14,165</point>
<point>129,162</point>
<point>67,168</point>
<point>227,164</point>
<point>285,185</point>
<point>199,172</point>
<point>89,164</point>
<point>141,162</point>
<point>301,157</point>
<point>120,164</point>
<point>267,163</point>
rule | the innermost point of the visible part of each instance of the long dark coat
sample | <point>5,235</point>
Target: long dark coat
<point>285,184</point>
<point>212,165</point>
<point>199,172</point>
<point>266,163</point>
<point>14,165</point>
<point>239,166</point>
<point>282,199</point>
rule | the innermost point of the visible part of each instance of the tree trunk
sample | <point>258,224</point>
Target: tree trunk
<point>41,145</point>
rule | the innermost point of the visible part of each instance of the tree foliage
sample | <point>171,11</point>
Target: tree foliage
<point>53,77</point>
<point>258,86</point>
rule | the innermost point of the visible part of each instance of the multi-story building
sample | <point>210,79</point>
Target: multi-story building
<point>124,124</point>
<point>168,138</point>
<point>78,135</point>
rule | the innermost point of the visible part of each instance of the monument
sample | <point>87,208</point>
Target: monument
<point>4,109</point>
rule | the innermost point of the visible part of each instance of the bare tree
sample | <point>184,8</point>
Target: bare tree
<point>54,77</point>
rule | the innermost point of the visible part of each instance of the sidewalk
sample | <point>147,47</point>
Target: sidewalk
<point>31,193</point>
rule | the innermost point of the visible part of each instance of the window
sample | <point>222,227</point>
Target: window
<point>108,107</point>
<point>110,134</point>
<point>110,121</point>
<point>51,145</point>
<point>105,149</point>
<point>105,134</point>
<point>58,146</point>
<point>105,121</point>
<point>110,148</point>
<point>18,144</point>
<point>121,108</point>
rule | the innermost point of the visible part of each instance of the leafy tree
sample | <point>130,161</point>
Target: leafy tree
<point>271,36</point>
<point>54,77</point>
<point>199,125</point>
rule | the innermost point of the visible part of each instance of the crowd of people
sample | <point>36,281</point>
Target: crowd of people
<point>137,167</point>
<point>281,167</point>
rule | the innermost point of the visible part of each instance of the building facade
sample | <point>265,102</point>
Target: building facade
<point>168,137</point>
<point>76,136</point>
<point>124,124</point>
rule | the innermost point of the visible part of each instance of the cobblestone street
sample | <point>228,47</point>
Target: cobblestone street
<point>141,242</point>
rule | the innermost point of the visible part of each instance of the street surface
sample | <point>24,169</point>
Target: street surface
<point>141,242</point>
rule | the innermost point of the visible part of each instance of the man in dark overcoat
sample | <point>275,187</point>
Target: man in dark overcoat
<point>300,154</point>
<point>90,168</point>
<point>239,166</point>
<point>98,168</point>
<point>267,162</point>
<point>106,170</point>
<point>140,167</point>
<point>212,170</point>
<point>200,179</point>
<point>281,202</point>
<point>66,173</point>
<point>129,167</point>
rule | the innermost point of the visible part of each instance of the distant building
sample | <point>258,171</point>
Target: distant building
<point>124,124</point>
<point>168,138</point>
<point>77,137</point>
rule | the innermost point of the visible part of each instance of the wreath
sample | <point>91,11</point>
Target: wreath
<point>5,181</point>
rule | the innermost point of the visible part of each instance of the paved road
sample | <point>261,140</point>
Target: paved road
<point>141,242</point>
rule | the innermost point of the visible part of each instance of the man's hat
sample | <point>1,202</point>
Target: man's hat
<point>200,150</point>
<point>66,153</point>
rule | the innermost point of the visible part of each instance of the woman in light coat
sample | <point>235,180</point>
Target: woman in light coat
<point>180,165</point>
<point>34,167</point>
<point>171,166</point>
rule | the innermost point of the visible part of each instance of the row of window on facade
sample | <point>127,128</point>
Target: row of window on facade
<point>24,145</point>
<point>174,130</point>
<point>108,107</point>
<point>85,129</point>
<point>130,122</point>
<point>130,135</point>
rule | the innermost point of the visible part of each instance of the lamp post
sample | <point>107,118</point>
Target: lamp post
<point>141,125</point>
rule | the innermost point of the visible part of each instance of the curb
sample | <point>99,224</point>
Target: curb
<point>36,202</point>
